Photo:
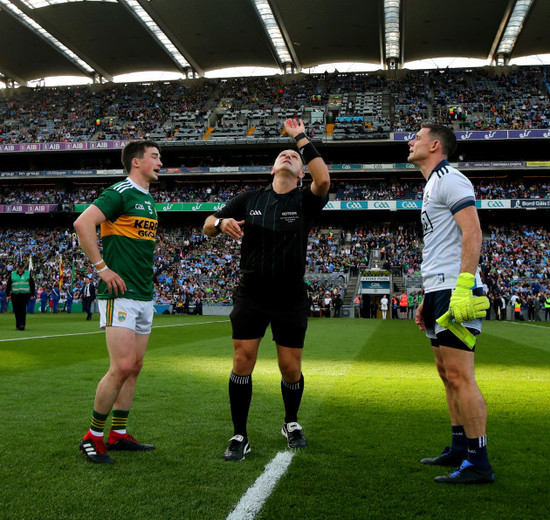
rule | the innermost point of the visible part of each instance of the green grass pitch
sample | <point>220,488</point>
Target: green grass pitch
<point>373,406</point>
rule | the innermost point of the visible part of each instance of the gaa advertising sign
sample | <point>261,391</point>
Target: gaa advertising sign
<point>375,285</point>
<point>354,204</point>
<point>493,204</point>
<point>409,204</point>
<point>28,208</point>
<point>486,135</point>
<point>530,203</point>
<point>383,204</point>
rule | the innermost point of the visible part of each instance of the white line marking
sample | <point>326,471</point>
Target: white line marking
<point>252,501</point>
<point>528,325</point>
<point>103,332</point>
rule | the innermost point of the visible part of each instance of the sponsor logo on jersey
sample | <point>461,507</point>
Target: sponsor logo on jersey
<point>131,227</point>
<point>255,213</point>
<point>289,216</point>
<point>140,206</point>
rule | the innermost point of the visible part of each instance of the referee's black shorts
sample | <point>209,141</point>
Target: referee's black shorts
<point>287,313</point>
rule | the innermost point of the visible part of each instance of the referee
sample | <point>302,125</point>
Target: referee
<point>273,224</point>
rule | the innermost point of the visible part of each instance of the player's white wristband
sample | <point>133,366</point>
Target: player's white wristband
<point>97,263</point>
<point>103,269</point>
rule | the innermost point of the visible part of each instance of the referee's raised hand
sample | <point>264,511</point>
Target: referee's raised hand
<point>294,127</point>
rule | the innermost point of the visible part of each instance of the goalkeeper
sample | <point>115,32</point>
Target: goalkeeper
<point>454,303</point>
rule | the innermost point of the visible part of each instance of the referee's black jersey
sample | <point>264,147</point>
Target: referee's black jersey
<point>276,230</point>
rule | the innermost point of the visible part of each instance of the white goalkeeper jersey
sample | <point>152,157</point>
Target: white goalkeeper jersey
<point>447,191</point>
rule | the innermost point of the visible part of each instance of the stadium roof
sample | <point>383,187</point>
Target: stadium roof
<point>102,39</point>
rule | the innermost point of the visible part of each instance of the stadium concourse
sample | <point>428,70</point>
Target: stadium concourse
<point>60,148</point>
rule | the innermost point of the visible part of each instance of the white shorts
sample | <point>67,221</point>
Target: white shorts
<point>126,313</point>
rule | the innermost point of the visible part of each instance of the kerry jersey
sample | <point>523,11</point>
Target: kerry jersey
<point>128,237</point>
<point>447,191</point>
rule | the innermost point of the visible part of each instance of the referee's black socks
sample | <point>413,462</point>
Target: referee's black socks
<point>292,397</point>
<point>240,396</point>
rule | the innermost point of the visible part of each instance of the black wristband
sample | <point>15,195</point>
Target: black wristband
<point>308,152</point>
<point>300,136</point>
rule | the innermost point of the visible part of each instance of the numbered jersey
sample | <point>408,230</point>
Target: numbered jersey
<point>128,236</point>
<point>447,191</point>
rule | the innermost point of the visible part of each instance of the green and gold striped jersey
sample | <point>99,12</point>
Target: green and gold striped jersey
<point>128,237</point>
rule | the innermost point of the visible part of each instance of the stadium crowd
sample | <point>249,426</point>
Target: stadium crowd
<point>334,105</point>
<point>222,192</point>
<point>192,270</point>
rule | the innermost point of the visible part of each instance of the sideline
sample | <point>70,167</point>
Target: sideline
<point>532,324</point>
<point>103,332</point>
<point>253,500</point>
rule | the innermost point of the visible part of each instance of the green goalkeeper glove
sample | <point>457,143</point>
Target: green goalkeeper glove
<point>461,332</point>
<point>464,306</point>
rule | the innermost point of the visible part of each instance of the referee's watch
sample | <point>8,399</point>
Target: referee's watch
<point>218,223</point>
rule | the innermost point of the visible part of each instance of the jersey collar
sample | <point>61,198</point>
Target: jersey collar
<point>440,166</point>
<point>136,186</point>
<point>270,188</point>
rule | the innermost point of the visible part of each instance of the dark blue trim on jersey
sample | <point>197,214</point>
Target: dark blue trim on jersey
<point>440,169</point>
<point>461,204</point>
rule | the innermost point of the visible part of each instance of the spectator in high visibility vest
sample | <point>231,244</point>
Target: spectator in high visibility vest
<point>547,307</point>
<point>404,305</point>
<point>357,306</point>
<point>411,306</point>
<point>394,307</point>
<point>20,288</point>
<point>517,309</point>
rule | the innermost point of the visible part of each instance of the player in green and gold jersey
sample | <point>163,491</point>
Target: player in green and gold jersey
<point>128,219</point>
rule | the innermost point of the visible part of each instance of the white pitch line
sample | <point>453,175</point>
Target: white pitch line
<point>252,501</point>
<point>528,324</point>
<point>103,332</point>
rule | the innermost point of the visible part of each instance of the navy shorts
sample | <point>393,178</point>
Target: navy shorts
<point>435,305</point>
<point>252,313</point>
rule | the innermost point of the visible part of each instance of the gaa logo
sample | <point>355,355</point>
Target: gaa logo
<point>381,205</point>
<point>410,204</point>
<point>353,205</point>
<point>495,204</point>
